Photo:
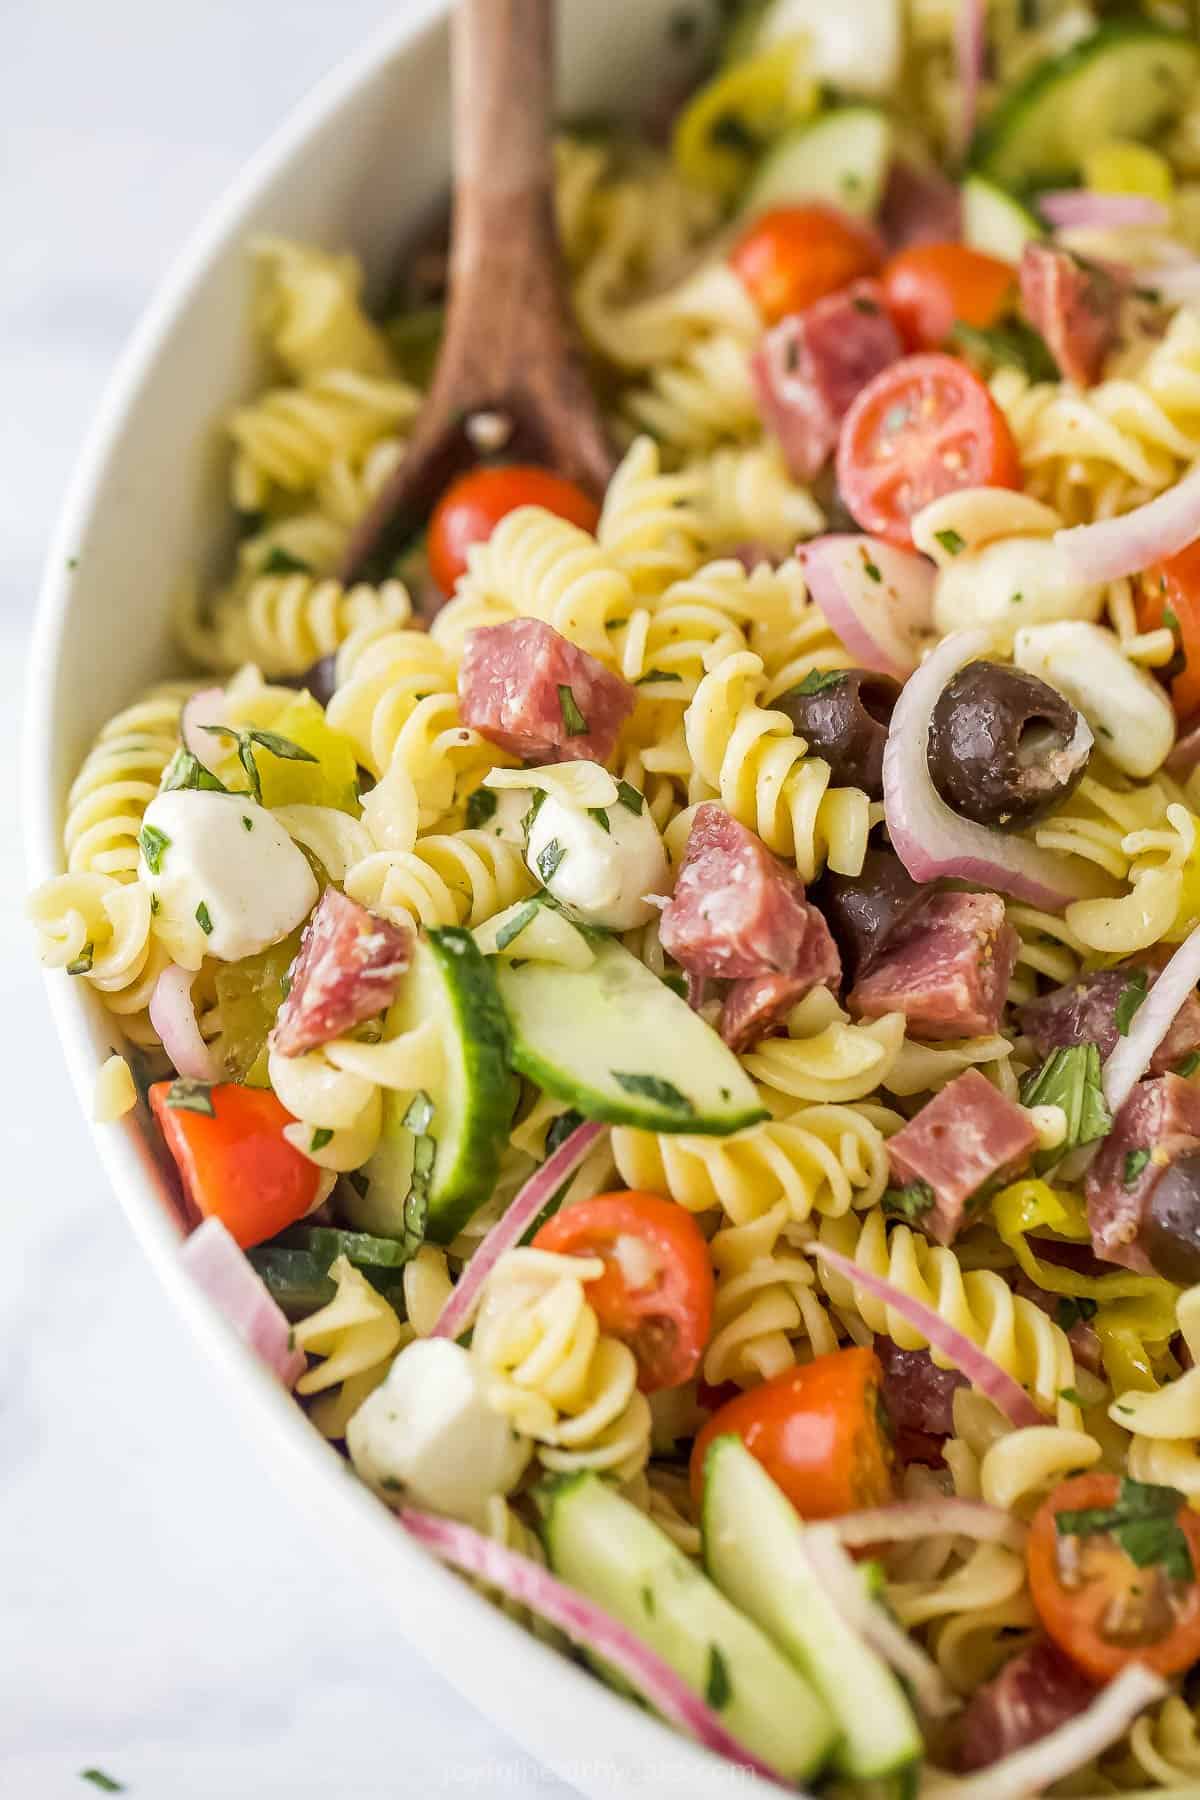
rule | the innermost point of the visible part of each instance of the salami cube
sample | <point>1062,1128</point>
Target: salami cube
<point>347,970</point>
<point>947,969</point>
<point>919,1398</point>
<point>965,1136</point>
<point>737,911</point>
<point>1159,1123</point>
<point>758,1004</point>
<point>1087,1011</point>
<point>1034,1693</point>
<point>527,688</point>
<point>1075,306</point>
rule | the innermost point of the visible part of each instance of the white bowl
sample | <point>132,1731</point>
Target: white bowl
<point>358,160</point>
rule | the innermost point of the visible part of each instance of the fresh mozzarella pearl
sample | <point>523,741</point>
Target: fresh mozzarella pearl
<point>429,1432</point>
<point>1125,707</point>
<point>1013,582</point>
<point>226,858</point>
<point>835,36</point>
<point>601,877</point>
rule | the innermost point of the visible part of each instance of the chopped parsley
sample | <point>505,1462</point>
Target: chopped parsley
<point>1135,1162</point>
<point>106,1783</point>
<point>653,1087</point>
<point>1015,599</point>
<point>187,771</point>
<point>912,1201</point>
<point>718,1689</point>
<point>1071,1395</point>
<point>153,843</point>
<point>871,570</point>
<point>601,817</point>
<point>817,681</point>
<point>186,1095</point>
<point>204,918</point>
<point>516,925</point>
<point>279,561</point>
<point>549,860</point>
<point>1071,1312</point>
<point>82,964</point>
<point>1130,998</point>
<point>247,822</point>
<point>1144,1521</point>
<point>657,675</point>
<point>629,797</point>
<point>952,542</point>
<point>481,807</point>
<point>320,1137</point>
<point>251,738</point>
<point>1189,1065</point>
<point>572,718</point>
<point>1070,1078</point>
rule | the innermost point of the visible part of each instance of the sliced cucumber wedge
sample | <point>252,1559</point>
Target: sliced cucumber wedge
<point>615,1043</point>
<point>1126,80</point>
<point>842,159</point>
<point>754,1551</point>
<point>473,1096</point>
<point>994,222</point>
<point>607,1549</point>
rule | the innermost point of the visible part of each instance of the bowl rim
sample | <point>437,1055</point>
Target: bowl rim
<point>455,1629</point>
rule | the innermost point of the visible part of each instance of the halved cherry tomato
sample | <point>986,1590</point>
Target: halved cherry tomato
<point>236,1165</point>
<point>472,507</point>
<point>929,287</point>
<point>1170,595</point>
<point>656,1292</point>
<point>819,1431</point>
<point>921,429</point>
<point>1100,1606</point>
<point>794,255</point>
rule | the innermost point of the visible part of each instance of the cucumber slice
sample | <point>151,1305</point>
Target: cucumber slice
<point>842,159</point>
<point>1126,80</point>
<point>473,1096</point>
<point>615,1043</point>
<point>994,222</point>
<point>607,1549</point>
<point>754,1551</point>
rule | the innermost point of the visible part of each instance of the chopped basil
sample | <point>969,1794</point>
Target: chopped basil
<point>1070,1078</point>
<point>481,807</point>
<point>1015,599</point>
<point>871,570</point>
<point>535,807</point>
<point>265,740</point>
<point>1144,1522</point>
<point>187,771</point>
<point>155,904</point>
<point>817,681</point>
<point>1130,998</point>
<point>154,843</point>
<point>516,925</point>
<point>1189,1065</point>
<point>657,675</point>
<point>82,964</point>
<point>718,1689</point>
<point>1014,343</point>
<point>186,1095</point>
<point>1071,1312</point>
<point>99,1779</point>
<point>1135,1162</point>
<point>572,718</point>
<point>247,822</point>
<point>629,797</point>
<point>204,918</point>
<point>653,1087</point>
<point>549,860</point>
<point>1071,1395</point>
<point>279,561</point>
<point>320,1137</point>
<point>912,1201</point>
<point>952,542</point>
<point>601,817</point>
<point>561,1129</point>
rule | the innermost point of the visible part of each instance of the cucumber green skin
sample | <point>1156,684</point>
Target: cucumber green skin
<point>754,1552</point>
<point>1041,131</point>
<point>643,1115</point>
<point>606,1549</point>
<point>770,186</point>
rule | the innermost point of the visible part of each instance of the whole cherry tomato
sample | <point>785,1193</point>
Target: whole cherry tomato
<point>472,507</point>
<point>794,255</point>
<point>931,287</point>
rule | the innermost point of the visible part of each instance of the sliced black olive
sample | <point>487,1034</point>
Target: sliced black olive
<point>320,678</point>
<point>1000,746</point>
<point>844,717</point>
<point>1170,1233</point>
<point>864,911</point>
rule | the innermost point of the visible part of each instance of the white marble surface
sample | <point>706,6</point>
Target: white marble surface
<point>165,1614</point>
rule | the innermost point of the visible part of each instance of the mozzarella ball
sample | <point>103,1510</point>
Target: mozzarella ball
<point>599,867</point>
<point>1013,582</point>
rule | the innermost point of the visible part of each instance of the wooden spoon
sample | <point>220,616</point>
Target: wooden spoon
<point>510,347</point>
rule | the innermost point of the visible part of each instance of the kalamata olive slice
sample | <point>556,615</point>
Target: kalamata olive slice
<point>320,678</point>
<point>844,717</point>
<point>1170,1233</point>
<point>1002,746</point>
<point>863,911</point>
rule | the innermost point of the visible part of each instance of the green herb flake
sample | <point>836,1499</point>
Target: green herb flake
<point>1071,1312</point>
<point>1189,1065</point>
<point>359,1182</point>
<point>1071,1395</point>
<point>106,1783</point>
<point>204,918</point>
<point>912,1201</point>
<point>653,1087</point>
<point>247,741</point>
<point>513,927</point>
<point>154,844</point>
<point>648,1601</point>
<point>186,1095</point>
<point>657,675</point>
<point>1070,1078</point>
<point>601,817</point>
<point>629,797</point>
<point>1015,344</point>
<point>549,860</point>
<point>1135,1162</point>
<point>817,681</point>
<point>1130,998</point>
<point>1170,618</point>
<point>871,570</point>
<point>72,563</point>
<point>185,771</point>
<point>718,1689</point>
<point>952,542</point>
<point>1015,599</point>
<point>481,807</point>
<point>572,718</point>
<point>279,561</point>
<point>82,964</point>
<point>1144,1522</point>
<point>155,905</point>
<point>320,1137</point>
<point>247,822</point>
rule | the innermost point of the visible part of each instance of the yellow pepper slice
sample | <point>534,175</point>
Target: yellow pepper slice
<point>330,781</point>
<point>724,127</point>
<point>1123,166</point>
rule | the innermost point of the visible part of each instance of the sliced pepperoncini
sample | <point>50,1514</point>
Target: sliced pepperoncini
<point>725,126</point>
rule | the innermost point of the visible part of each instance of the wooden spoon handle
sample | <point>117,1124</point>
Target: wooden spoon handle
<point>503,62</point>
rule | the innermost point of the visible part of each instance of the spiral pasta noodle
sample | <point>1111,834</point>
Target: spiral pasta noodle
<point>765,1298</point>
<point>537,566</point>
<point>459,878</point>
<point>288,438</point>
<point>310,311</point>
<point>355,1338</point>
<point>285,623</point>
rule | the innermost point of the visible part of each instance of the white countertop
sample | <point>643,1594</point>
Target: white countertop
<point>165,1614</point>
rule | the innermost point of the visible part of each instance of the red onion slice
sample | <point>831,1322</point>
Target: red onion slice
<point>205,708</point>
<point>1151,1022</point>
<point>1186,751</point>
<point>916,1519</point>
<point>542,1185</point>
<point>528,1583</point>
<point>930,839</point>
<point>878,599</point>
<point>1066,208</point>
<point>970,35</point>
<point>1136,540</point>
<point>216,1264</point>
<point>174,1018</point>
<point>1078,1742</point>
<point>976,1364</point>
<point>843,1582</point>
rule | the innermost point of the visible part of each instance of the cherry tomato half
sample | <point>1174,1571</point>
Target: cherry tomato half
<point>235,1163</point>
<point>929,287</point>
<point>1103,1608</point>
<point>472,507</point>
<point>819,1431</point>
<point>922,428</point>
<point>795,255</point>
<point>1170,595</point>
<point>656,1292</point>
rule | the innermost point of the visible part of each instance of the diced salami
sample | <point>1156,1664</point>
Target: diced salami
<point>758,1005</point>
<point>1035,1693</point>
<point>812,365</point>
<point>1086,1012</point>
<point>965,1136</point>
<point>947,968</point>
<point>528,689</point>
<point>1075,306</point>
<point>1158,1124</point>
<point>919,1396</point>
<point>920,205</point>
<point>349,964</point>
<point>736,910</point>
